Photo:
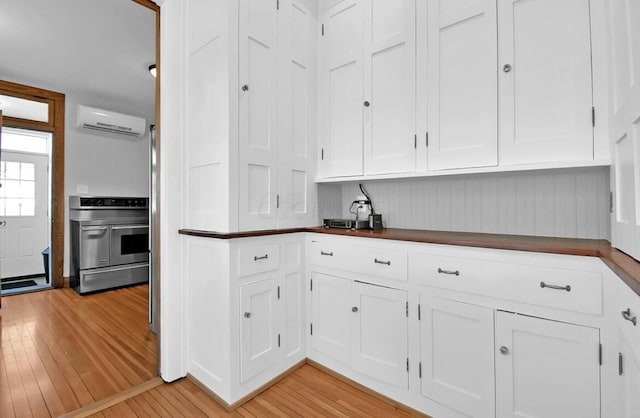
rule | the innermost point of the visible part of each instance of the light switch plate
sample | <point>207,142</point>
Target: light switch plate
<point>82,188</point>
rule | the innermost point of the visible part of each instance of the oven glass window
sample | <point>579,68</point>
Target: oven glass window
<point>134,244</point>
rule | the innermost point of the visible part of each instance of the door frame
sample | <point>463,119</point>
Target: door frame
<point>55,125</point>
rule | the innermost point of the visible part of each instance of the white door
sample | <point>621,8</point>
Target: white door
<point>389,86</point>
<point>380,336</point>
<point>462,92</point>
<point>258,327</point>
<point>331,316</point>
<point>545,368</point>
<point>24,203</point>
<point>340,90</point>
<point>624,125</point>
<point>291,294</point>
<point>297,110</point>
<point>545,81</point>
<point>258,154</point>
<point>456,343</point>
<point>629,372</point>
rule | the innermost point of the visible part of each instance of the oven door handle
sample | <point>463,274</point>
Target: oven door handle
<point>94,228</point>
<point>129,227</point>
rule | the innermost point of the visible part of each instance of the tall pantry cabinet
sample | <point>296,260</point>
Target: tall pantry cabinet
<point>250,111</point>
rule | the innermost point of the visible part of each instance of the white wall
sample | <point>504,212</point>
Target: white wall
<point>109,164</point>
<point>572,203</point>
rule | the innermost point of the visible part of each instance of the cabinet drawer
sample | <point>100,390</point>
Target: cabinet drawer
<point>370,261</point>
<point>258,259</point>
<point>560,288</point>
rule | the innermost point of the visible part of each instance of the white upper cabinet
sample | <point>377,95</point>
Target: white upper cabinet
<point>461,78</point>
<point>624,105</point>
<point>389,86</point>
<point>341,84</point>
<point>545,81</point>
<point>258,139</point>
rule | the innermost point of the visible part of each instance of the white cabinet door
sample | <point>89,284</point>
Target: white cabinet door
<point>457,355</point>
<point>624,87</point>
<point>389,86</point>
<point>341,83</point>
<point>629,371</point>
<point>258,66</point>
<point>294,317</point>
<point>546,368</point>
<point>545,81</point>
<point>380,336</point>
<point>258,328</point>
<point>296,112</point>
<point>331,316</point>
<point>462,85</point>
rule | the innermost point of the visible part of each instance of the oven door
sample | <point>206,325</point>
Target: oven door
<point>129,244</point>
<point>94,247</point>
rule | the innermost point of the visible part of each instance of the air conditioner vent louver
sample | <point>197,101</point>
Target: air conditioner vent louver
<point>112,122</point>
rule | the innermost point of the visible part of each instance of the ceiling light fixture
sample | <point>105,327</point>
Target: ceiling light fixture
<point>152,70</point>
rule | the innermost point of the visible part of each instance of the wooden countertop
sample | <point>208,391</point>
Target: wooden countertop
<point>624,266</point>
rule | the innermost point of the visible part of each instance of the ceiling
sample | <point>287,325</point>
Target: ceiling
<point>88,47</point>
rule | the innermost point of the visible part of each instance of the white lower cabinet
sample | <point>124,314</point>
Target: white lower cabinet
<point>362,325</point>
<point>627,316</point>
<point>457,355</point>
<point>259,337</point>
<point>546,368</point>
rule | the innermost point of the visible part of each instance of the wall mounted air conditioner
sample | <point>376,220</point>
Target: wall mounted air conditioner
<point>108,121</point>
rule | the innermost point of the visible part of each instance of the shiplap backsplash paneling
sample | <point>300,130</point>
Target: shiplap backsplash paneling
<point>572,203</point>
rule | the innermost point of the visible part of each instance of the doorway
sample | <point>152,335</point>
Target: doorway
<point>25,210</point>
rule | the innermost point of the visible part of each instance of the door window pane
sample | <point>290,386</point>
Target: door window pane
<point>24,109</point>
<point>12,170</point>
<point>18,191</point>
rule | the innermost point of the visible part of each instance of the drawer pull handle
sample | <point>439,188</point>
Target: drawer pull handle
<point>552,286</point>
<point>329,254</point>
<point>388,263</point>
<point>455,273</point>
<point>627,315</point>
<point>264,257</point>
<point>247,314</point>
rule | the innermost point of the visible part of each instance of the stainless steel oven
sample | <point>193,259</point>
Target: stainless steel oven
<point>109,242</point>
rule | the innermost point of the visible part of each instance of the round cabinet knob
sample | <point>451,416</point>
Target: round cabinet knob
<point>504,350</point>
<point>366,103</point>
<point>247,314</point>
<point>245,87</point>
<point>507,68</point>
<point>354,309</point>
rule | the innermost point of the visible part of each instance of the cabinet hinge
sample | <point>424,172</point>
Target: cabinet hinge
<point>278,340</point>
<point>620,370</point>
<point>406,310</point>
<point>323,29</point>
<point>277,201</point>
<point>415,141</point>
<point>322,153</point>
<point>427,139</point>
<point>311,285</point>
<point>600,354</point>
<point>610,202</point>
<point>593,116</point>
<point>407,364</point>
<point>420,370</point>
<point>419,314</point>
<point>311,328</point>
<point>278,292</point>
<point>277,4</point>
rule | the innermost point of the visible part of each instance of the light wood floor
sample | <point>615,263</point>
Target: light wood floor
<point>308,392</point>
<point>61,351</point>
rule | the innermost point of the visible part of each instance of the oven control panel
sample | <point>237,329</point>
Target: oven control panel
<point>94,202</point>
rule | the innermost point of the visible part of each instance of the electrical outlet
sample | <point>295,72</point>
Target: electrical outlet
<point>82,188</point>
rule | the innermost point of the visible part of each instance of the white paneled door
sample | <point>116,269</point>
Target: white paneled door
<point>624,85</point>
<point>24,198</point>
<point>456,343</point>
<point>546,368</point>
<point>462,87</point>
<point>258,154</point>
<point>331,316</point>
<point>389,86</point>
<point>341,84</point>
<point>545,81</point>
